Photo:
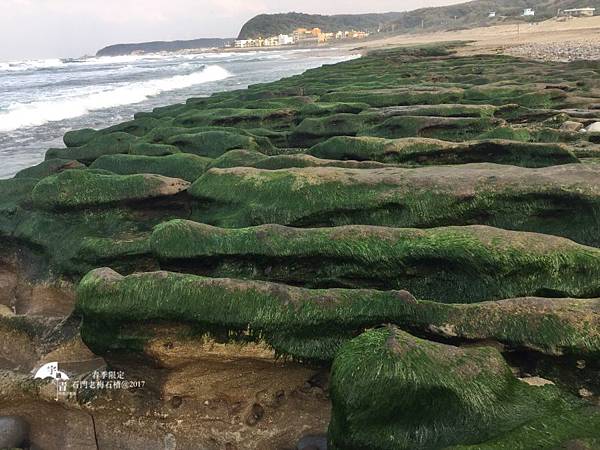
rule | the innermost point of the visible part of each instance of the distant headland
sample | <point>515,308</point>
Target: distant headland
<point>162,46</point>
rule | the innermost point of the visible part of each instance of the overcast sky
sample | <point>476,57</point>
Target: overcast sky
<point>72,28</point>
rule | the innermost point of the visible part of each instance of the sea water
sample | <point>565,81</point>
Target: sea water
<point>41,100</point>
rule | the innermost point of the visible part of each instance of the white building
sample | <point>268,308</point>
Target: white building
<point>492,14</point>
<point>579,12</point>
<point>528,12</point>
<point>272,41</point>
<point>285,39</point>
<point>242,43</point>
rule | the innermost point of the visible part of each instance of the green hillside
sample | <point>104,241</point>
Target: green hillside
<point>475,13</point>
<point>273,24</point>
<point>462,15</point>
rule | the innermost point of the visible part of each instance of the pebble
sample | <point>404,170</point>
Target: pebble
<point>312,442</point>
<point>558,51</point>
<point>583,392</point>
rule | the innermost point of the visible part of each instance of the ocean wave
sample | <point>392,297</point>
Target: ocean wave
<point>21,115</point>
<point>33,64</point>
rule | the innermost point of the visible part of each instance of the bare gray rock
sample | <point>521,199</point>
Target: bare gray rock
<point>593,128</point>
<point>14,432</point>
<point>571,126</point>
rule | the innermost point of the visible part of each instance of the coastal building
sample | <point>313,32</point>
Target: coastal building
<point>285,39</point>
<point>272,41</point>
<point>242,43</point>
<point>492,14</point>
<point>528,12</point>
<point>300,36</point>
<point>324,37</point>
<point>579,12</point>
<point>304,36</point>
<point>359,34</point>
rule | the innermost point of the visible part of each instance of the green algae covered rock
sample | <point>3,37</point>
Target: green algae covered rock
<point>424,151</point>
<point>79,188</point>
<point>521,95</point>
<point>49,167</point>
<point>438,110</point>
<point>245,158</point>
<point>391,390</point>
<point>126,252</point>
<point>240,117</point>
<point>150,149</point>
<point>15,192</point>
<point>327,108</point>
<point>77,138</point>
<point>416,95</point>
<point>453,264</point>
<point>212,144</point>
<point>315,129</point>
<point>312,324</point>
<point>238,158</point>
<point>137,127</point>
<point>448,128</point>
<point>103,144</point>
<point>180,165</point>
<point>561,200</point>
<point>277,162</point>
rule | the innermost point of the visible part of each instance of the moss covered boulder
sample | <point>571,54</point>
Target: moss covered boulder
<point>212,144</point>
<point>49,167</point>
<point>415,95</point>
<point>240,117</point>
<point>448,128</point>
<point>102,144</point>
<point>245,158</point>
<point>438,110</point>
<point>316,129</point>
<point>80,188</point>
<point>452,264</point>
<point>391,390</point>
<point>425,151</point>
<point>311,324</point>
<point>180,165</point>
<point>152,149</point>
<point>77,138</point>
<point>561,200</point>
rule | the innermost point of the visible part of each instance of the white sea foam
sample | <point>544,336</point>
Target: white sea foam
<point>34,64</point>
<point>78,103</point>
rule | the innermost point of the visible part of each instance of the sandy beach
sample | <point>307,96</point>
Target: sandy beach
<point>538,40</point>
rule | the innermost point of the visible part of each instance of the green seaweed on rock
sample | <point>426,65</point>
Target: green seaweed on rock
<point>425,151</point>
<point>312,324</point>
<point>391,390</point>
<point>179,165</point>
<point>451,264</point>
<point>561,200</point>
<point>80,188</point>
